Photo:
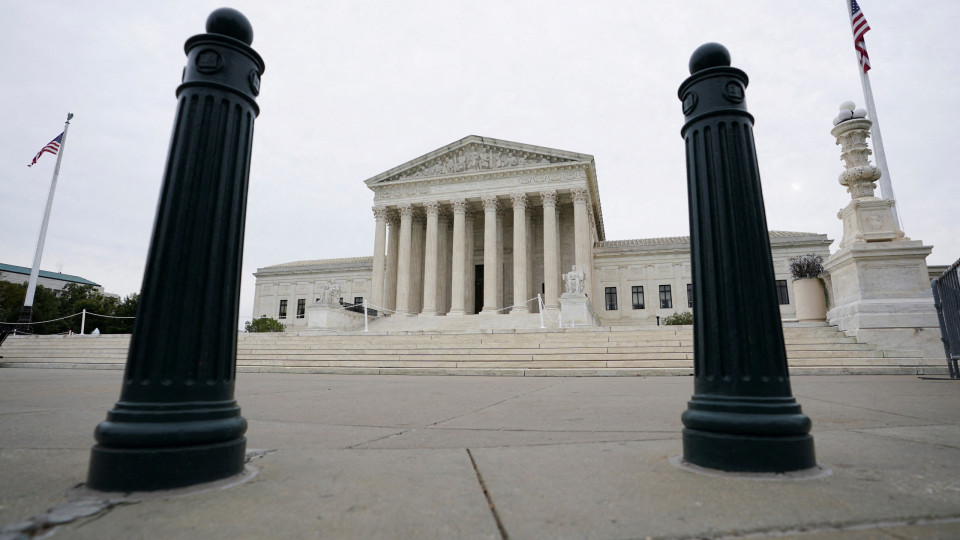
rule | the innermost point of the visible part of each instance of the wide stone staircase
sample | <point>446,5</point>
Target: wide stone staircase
<point>605,351</point>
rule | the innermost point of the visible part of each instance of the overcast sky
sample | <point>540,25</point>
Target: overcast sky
<point>354,88</point>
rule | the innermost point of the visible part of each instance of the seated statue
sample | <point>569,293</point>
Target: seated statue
<point>573,281</point>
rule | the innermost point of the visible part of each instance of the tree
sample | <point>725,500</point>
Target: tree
<point>263,324</point>
<point>45,305</point>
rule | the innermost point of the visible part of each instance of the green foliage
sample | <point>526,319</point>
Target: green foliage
<point>45,305</point>
<point>806,266</point>
<point>263,324</point>
<point>73,299</point>
<point>683,317</point>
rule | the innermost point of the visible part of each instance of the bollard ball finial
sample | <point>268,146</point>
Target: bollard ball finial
<point>231,23</point>
<point>709,55</point>
<point>847,106</point>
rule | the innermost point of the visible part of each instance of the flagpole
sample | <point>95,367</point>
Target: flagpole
<point>26,314</point>
<point>886,188</point>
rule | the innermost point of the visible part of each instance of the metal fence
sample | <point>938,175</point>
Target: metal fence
<point>946,298</point>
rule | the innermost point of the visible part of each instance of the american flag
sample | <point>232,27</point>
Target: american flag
<point>52,147</point>
<point>860,27</point>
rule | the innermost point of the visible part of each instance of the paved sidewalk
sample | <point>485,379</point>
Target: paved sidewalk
<point>493,457</point>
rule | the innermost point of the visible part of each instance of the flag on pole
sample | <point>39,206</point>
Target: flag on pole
<point>52,147</point>
<point>859,24</point>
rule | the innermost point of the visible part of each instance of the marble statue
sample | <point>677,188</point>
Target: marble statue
<point>573,281</point>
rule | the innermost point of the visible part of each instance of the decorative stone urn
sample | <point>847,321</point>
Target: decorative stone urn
<point>880,285</point>
<point>810,300</point>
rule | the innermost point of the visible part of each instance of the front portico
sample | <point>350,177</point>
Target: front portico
<point>518,212</point>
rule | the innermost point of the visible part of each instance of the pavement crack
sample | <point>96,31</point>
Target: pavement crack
<point>833,529</point>
<point>45,524</point>
<point>486,493</point>
<point>354,446</point>
<point>873,433</point>
<point>504,400</point>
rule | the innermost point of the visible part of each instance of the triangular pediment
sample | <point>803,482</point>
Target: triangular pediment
<point>476,154</point>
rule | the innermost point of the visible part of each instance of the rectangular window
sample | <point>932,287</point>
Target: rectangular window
<point>690,295</point>
<point>283,310</point>
<point>358,300</point>
<point>301,307</point>
<point>611,298</point>
<point>666,297</point>
<point>637,292</point>
<point>783,297</point>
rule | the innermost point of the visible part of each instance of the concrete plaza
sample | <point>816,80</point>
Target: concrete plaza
<point>353,456</point>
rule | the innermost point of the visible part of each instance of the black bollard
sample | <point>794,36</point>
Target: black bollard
<point>177,423</point>
<point>742,416</point>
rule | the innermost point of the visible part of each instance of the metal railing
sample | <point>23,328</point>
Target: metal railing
<point>946,298</point>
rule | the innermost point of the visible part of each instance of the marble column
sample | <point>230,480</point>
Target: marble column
<point>501,290</point>
<point>533,283</point>
<point>490,207</point>
<point>520,272</point>
<point>393,241</point>
<point>443,280</point>
<point>379,255</point>
<point>404,261</point>
<point>551,251</point>
<point>416,274</point>
<point>470,301</point>
<point>459,262</point>
<point>581,236</point>
<point>431,259</point>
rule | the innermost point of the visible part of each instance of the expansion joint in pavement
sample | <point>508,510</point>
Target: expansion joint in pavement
<point>486,493</point>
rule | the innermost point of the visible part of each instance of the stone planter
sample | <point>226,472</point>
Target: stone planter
<point>810,301</point>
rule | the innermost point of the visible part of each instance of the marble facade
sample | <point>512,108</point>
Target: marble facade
<point>482,226</point>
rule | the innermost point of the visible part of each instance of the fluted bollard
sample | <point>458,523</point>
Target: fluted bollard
<point>742,416</point>
<point>177,423</point>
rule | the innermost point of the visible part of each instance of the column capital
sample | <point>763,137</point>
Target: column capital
<point>549,197</point>
<point>490,203</point>
<point>459,206</point>
<point>406,210</point>
<point>519,200</point>
<point>445,216</point>
<point>580,195</point>
<point>393,218</point>
<point>380,213</point>
<point>432,208</point>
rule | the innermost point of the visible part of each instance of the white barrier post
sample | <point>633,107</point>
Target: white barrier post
<point>366,324</point>
<point>540,310</point>
<point>83,321</point>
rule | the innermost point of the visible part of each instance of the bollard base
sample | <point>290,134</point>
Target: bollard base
<point>748,453</point>
<point>151,469</point>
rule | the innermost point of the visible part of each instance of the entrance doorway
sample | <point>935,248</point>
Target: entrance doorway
<point>477,288</point>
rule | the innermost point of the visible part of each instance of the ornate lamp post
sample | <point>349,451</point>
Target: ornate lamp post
<point>742,416</point>
<point>177,423</point>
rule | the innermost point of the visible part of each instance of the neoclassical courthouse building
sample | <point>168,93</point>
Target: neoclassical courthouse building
<point>480,227</point>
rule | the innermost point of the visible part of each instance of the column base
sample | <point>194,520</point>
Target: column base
<point>151,469</point>
<point>489,311</point>
<point>748,453</point>
<point>456,312</point>
<point>520,310</point>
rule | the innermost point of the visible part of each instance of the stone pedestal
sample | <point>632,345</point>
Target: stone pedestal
<point>881,295</point>
<point>880,289</point>
<point>326,317</point>
<point>575,310</point>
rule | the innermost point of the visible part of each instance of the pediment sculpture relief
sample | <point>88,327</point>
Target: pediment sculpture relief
<point>478,158</point>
